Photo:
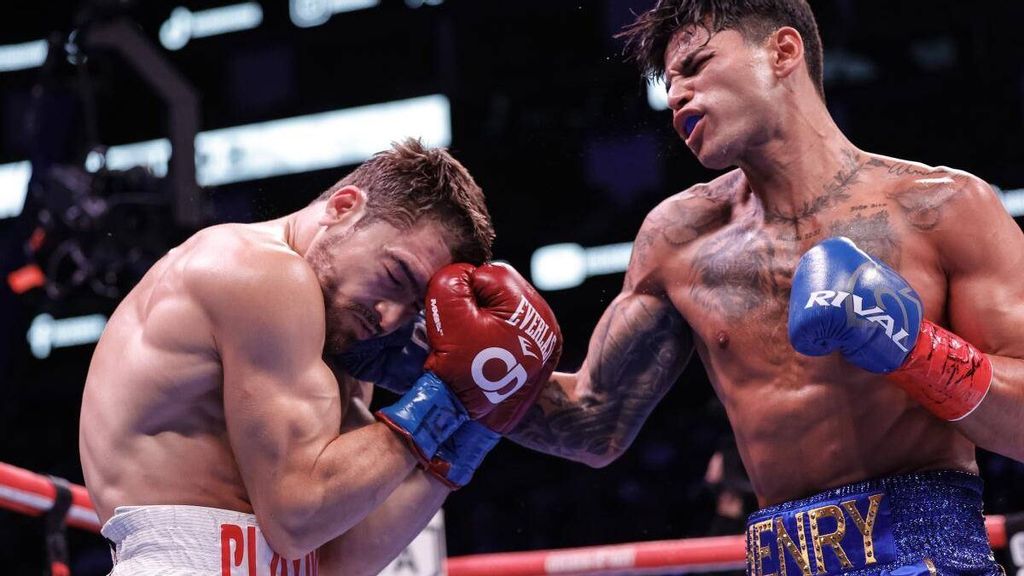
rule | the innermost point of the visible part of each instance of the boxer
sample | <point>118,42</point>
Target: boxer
<point>216,440</point>
<point>903,282</point>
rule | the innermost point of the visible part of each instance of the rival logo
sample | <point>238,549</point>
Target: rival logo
<point>873,314</point>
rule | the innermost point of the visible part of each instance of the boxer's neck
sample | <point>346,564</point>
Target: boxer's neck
<point>299,228</point>
<point>808,158</point>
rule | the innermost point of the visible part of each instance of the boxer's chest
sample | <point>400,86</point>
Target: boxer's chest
<point>735,283</point>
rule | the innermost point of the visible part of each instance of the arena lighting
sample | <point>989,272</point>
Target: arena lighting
<point>1013,200</point>
<point>183,24</point>
<point>23,56</point>
<point>267,149</point>
<point>13,187</point>
<point>657,95</point>
<point>309,13</point>
<point>318,141</point>
<point>46,333</point>
<point>562,266</point>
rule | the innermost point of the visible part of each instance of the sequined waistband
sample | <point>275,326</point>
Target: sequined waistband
<point>866,525</point>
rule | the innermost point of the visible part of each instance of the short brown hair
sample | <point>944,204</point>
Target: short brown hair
<point>648,36</point>
<point>410,182</point>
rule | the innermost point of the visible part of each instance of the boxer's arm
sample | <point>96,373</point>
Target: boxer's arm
<point>369,546</point>
<point>637,351</point>
<point>307,484</point>
<point>982,251</point>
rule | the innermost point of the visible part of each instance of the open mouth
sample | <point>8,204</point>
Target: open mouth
<point>691,123</point>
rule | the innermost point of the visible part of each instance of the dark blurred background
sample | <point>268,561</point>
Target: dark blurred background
<point>533,96</point>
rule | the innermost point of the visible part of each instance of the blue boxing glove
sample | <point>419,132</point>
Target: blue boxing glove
<point>460,455</point>
<point>393,361</point>
<point>843,299</point>
<point>427,415</point>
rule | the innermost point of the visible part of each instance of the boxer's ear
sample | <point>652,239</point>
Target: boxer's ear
<point>345,203</point>
<point>786,49</point>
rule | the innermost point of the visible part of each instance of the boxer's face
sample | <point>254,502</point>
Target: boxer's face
<point>374,276</point>
<point>720,91</point>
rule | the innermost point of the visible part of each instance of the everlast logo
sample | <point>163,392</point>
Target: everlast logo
<point>529,321</point>
<point>874,314</point>
<point>828,538</point>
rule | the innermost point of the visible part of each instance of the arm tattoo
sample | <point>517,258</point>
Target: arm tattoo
<point>679,223</point>
<point>637,352</point>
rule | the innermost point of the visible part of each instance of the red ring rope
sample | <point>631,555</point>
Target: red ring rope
<point>689,554</point>
<point>32,494</point>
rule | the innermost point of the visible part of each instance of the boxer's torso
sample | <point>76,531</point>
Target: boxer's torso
<point>153,424</point>
<point>806,424</point>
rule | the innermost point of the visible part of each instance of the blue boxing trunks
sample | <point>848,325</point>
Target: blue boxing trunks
<point>926,523</point>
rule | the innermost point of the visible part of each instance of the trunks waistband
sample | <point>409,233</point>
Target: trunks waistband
<point>195,540</point>
<point>929,519</point>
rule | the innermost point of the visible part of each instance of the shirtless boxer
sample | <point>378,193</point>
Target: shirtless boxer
<point>863,458</point>
<point>215,439</point>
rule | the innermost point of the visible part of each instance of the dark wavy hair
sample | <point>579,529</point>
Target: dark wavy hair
<point>410,182</point>
<point>648,36</point>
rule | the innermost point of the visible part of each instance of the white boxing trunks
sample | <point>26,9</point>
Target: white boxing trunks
<point>194,541</point>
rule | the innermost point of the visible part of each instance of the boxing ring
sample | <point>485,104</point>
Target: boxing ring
<point>60,503</point>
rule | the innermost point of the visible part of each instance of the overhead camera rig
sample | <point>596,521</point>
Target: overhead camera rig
<point>95,232</point>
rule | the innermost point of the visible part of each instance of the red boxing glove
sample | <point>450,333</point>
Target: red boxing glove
<point>494,340</point>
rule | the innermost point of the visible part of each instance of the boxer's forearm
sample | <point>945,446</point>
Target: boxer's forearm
<point>566,424</point>
<point>997,424</point>
<point>370,545</point>
<point>351,477</point>
<point>637,352</point>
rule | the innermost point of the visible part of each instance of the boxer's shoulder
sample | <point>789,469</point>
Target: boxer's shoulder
<point>229,266</point>
<point>238,241</point>
<point>928,195</point>
<point>676,224</point>
<point>688,216</point>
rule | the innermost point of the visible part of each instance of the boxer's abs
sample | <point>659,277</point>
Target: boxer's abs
<point>801,431</point>
<point>152,428</point>
<point>805,424</point>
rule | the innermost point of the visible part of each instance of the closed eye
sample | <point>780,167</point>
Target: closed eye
<point>394,280</point>
<point>691,67</point>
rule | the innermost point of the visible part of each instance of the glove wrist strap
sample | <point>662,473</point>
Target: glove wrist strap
<point>944,373</point>
<point>462,453</point>
<point>425,416</point>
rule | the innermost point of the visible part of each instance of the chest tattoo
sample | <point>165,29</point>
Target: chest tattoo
<point>872,233</point>
<point>740,271</point>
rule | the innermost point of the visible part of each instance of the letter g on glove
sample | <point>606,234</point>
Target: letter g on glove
<point>494,340</point>
<point>513,379</point>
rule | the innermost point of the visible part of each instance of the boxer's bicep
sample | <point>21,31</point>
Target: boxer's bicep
<point>281,402</point>
<point>983,255</point>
